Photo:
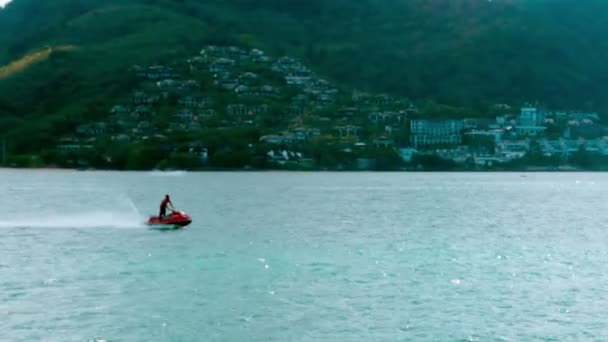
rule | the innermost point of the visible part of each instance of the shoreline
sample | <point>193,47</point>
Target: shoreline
<point>530,170</point>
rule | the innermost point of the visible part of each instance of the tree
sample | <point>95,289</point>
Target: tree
<point>429,162</point>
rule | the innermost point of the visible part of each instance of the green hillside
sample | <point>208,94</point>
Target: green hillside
<point>453,51</point>
<point>462,53</point>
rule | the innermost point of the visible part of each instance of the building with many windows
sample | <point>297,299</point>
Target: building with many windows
<point>436,132</point>
<point>530,117</point>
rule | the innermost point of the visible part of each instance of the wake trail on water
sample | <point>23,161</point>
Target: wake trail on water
<point>93,219</point>
<point>120,213</point>
<point>167,173</point>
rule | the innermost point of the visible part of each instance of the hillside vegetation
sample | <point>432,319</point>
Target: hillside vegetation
<point>465,53</point>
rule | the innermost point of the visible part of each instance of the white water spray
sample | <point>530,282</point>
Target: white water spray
<point>167,173</point>
<point>93,219</point>
<point>93,210</point>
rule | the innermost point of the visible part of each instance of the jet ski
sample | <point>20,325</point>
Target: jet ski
<point>176,219</point>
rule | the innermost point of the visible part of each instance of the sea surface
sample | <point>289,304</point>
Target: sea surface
<point>304,257</point>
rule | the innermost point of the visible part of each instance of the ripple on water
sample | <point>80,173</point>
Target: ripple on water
<point>357,257</point>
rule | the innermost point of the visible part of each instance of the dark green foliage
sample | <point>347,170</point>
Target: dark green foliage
<point>428,162</point>
<point>457,52</point>
<point>455,58</point>
<point>387,160</point>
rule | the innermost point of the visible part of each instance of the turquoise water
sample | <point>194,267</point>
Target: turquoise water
<point>304,257</point>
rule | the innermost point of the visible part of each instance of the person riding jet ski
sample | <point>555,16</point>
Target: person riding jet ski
<point>163,206</point>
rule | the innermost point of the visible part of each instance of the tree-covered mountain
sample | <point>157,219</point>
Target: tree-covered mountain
<point>65,59</point>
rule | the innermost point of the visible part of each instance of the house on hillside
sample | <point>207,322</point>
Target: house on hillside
<point>458,154</point>
<point>530,131</point>
<point>155,72</point>
<point>348,131</point>
<point>249,79</point>
<point>471,123</point>
<point>387,117</point>
<point>289,66</point>
<point>189,85</point>
<point>382,100</point>
<point>256,53</point>
<point>142,111</point>
<point>325,99</point>
<point>258,109</point>
<point>207,113</point>
<point>273,139</point>
<point>188,102</point>
<point>121,138</point>
<point>144,126</point>
<point>258,56</point>
<point>597,146</point>
<point>561,148</point>
<point>302,133</point>
<point>585,129</point>
<point>222,65</point>
<point>167,83</point>
<point>392,129</point>
<point>70,145</point>
<point>93,129</point>
<point>197,64</point>
<point>348,112</point>
<point>320,86</point>
<point>139,97</point>
<point>205,103</point>
<point>282,157</point>
<point>120,110</point>
<point>298,81</point>
<point>269,91</point>
<point>236,110</point>
<point>236,53</point>
<point>531,117</point>
<point>435,132</point>
<point>226,81</point>
<point>360,97</point>
<point>383,142</point>
<point>494,135</point>
<point>530,122</point>
<point>184,115</point>
<point>580,116</point>
<point>411,110</point>
<point>212,51</point>
<point>509,150</point>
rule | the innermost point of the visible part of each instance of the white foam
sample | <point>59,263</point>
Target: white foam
<point>93,219</point>
<point>168,173</point>
<point>91,206</point>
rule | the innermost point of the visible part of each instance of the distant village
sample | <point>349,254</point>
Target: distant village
<point>226,87</point>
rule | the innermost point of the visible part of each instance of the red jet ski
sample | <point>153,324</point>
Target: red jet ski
<point>176,219</point>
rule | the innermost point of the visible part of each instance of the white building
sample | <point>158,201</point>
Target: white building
<point>440,132</point>
<point>510,150</point>
<point>531,116</point>
<point>494,134</point>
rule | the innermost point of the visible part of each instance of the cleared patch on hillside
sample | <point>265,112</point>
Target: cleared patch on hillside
<point>30,59</point>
